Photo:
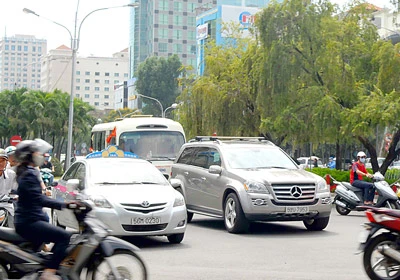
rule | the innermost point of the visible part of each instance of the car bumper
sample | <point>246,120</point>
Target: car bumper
<point>173,220</point>
<point>262,207</point>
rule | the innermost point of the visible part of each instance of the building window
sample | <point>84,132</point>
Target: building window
<point>19,48</point>
<point>126,75</point>
<point>191,7</point>
<point>106,96</point>
<point>192,49</point>
<point>106,82</point>
<point>87,73</point>
<point>34,49</point>
<point>116,74</point>
<point>78,80</point>
<point>78,72</point>
<point>87,95</point>
<point>177,20</point>
<point>87,81</point>
<point>177,34</point>
<point>162,47</point>
<point>77,95</point>
<point>163,19</point>
<point>96,103</point>
<point>163,33</point>
<point>77,87</point>
<point>7,47</point>
<point>163,5</point>
<point>96,89</point>
<point>97,73</point>
<point>192,35</point>
<point>87,88</point>
<point>97,96</point>
<point>116,82</point>
<point>177,6</point>
<point>191,21</point>
<point>97,81</point>
<point>177,48</point>
<point>106,89</point>
<point>39,49</point>
<point>12,47</point>
<point>106,104</point>
<point>107,74</point>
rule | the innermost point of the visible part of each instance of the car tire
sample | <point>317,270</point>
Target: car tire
<point>234,218</point>
<point>175,238</point>
<point>54,220</point>
<point>189,214</point>
<point>316,224</point>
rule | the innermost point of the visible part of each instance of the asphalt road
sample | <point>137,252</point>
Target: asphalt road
<point>284,250</point>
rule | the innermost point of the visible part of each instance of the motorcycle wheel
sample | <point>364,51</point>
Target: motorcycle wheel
<point>392,205</point>
<point>342,211</point>
<point>378,266</point>
<point>128,264</point>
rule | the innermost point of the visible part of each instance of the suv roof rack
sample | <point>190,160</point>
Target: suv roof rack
<point>233,138</point>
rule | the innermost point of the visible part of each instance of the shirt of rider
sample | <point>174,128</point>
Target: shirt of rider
<point>8,182</point>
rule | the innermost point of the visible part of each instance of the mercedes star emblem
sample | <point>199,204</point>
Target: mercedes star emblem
<point>296,191</point>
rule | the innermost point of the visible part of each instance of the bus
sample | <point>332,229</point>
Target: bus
<point>155,139</point>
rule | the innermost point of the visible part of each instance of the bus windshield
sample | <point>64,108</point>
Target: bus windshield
<point>154,145</point>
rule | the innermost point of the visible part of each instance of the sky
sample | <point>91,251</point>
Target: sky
<point>103,33</point>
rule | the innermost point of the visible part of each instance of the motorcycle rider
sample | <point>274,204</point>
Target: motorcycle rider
<point>49,165</point>
<point>7,184</point>
<point>357,172</point>
<point>30,220</point>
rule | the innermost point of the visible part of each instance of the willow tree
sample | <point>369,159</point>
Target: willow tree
<point>221,100</point>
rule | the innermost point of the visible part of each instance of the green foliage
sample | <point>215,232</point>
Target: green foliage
<point>120,113</point>
<point>58,168</point>
<point>157,77</point>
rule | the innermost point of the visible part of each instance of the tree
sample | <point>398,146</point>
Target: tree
<point>120,113</point>
<point>157,77</point>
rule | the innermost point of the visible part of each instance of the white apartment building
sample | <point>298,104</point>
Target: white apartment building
<point>20,61</point>
<point>95,77</point>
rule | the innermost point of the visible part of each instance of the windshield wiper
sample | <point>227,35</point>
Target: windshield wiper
<point>149,183</point>
<point>270,167</point>
<point>162,157</point>
<point>118,183</point>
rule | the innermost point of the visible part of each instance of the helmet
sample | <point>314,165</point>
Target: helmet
<point>46,154</point>
<point>361,154</point>
<point>10,150</point>
<point>3,154</point>
<point>26,148</point>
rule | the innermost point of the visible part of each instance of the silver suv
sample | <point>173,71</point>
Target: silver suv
<point>243,179</point>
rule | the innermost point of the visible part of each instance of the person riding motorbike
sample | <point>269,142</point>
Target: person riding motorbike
<point>30,220</point>
<point>12,162</point>
<point>8,183</point>
<point>357,172</point>
<point>47,164</point>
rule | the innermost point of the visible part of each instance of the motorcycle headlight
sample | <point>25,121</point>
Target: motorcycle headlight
<point>322,186</point>
<point>179,201</point>
<point>100,202</point>
<point>255,187</point>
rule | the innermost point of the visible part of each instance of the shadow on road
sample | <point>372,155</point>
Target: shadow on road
<point>154,242</point>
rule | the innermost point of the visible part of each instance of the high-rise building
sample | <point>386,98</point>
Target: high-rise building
<point>20,57</point>
<point>163,28</point>
<point>96,78</point>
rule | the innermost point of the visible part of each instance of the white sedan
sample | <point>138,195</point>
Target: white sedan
<point>131,196</point>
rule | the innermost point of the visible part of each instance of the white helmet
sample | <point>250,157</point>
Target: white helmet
<point>361,154</point>
<point>10,150</point>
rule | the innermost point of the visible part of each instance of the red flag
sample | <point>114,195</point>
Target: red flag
<point>112,135</point>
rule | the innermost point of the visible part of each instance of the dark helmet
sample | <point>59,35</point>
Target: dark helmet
<point>26,148</point>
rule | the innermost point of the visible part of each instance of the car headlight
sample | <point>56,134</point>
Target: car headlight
<point>100,202</point>
<point>322,186</point>
<point>255,187</point>
<point>179,201</point>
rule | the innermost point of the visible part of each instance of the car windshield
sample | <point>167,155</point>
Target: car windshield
<point>258,157</point>
<point>115,171</point>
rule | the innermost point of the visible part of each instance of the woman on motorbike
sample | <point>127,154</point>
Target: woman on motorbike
<point>30,220</point>
<point>357,172</point>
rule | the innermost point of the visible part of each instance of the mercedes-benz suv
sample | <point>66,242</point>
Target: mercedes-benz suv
<point>244,179</point>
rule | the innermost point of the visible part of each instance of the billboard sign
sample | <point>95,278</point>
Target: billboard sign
<point>245,16</point>
<point>202,31</point>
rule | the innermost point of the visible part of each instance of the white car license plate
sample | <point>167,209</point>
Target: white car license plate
<point>363,235</point>
<point>296,209</point>
<point>146,221</point>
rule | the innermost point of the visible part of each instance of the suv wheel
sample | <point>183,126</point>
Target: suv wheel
<point>189,214</point>
<point>316,224</point>
<point>235,221</point>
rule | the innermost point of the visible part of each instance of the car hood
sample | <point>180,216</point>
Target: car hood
<point>133,193</point>
<point>276,175</point>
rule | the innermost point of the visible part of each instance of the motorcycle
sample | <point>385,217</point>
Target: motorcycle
<point>91,254</point>
<point>380,242</point>
<point>47,176</point>
<point>348,197</point>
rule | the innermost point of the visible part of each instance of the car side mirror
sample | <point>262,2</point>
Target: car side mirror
<point>215,169</point>
<point>175,183</point>
<point>72,185</point>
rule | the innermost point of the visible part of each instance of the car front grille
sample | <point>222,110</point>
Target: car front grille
<point>142,209</point>
<point>295,193</point>
<point>141,228</point>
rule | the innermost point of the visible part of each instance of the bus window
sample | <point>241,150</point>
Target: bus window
<point>98,140</point>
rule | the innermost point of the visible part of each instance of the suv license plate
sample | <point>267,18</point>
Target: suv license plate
<point>146,221</point>
<point>296,209</point>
